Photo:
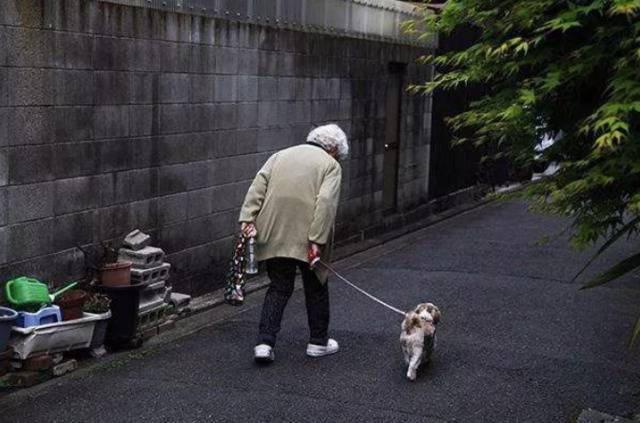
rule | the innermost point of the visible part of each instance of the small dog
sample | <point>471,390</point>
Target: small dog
<point>418,337</point>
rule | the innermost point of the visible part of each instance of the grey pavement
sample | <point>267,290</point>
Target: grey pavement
<point>518,342</point>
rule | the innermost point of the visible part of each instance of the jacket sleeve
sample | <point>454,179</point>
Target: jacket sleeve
<point>257,191</point>
<point>326,206</point>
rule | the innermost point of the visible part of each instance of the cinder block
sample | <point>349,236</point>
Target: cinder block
<point>151,275</point>
<point>172,179</point>
<point>248,115</point>
<point>142,120</point>
<point>22,13</point>
<point>27,379</point>
<point>267,88</point>
<point>247,88</point>
<point>175,118</point>
<point>30,125</point>
<point>29,202</point>
<point>73,229</point>
<point>30,86</point>
<point>144,87</point>
<point>30,239</point>
<point>4,242</point>
<point>167,326</point>
<point>267,114</point>
<point>199,203</point>
<point>111,121</point>
<point>226,116</point>
<point>76,194</point>
<point>64,368</point>
<point>137,240</point>
<point>76,159</point>
<point>226,61</point>
<point>112,87</point>
<point>267,63</point>
<point>27,47</point>
<point>248,62</point>
<point>202,88</point>
<point>71,50</point>
<point>174,88</point>
<point>203,59</point>
<point>28,164</point>
<point>74,123</point>
<point>225,88</point>
<point>145,258</point>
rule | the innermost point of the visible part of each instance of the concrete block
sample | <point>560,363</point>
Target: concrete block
<point>30,239</point>
<point>136,185</point>
<point>287,64</point>
<point>71,50</point>
<point>142,121</point>
<point>175,118</point>
<point>143,87</point>
<point>27,47</point>
<point>199,203</point>
<point>76,194</point>
<point>225,88</point>
<point>267,88</point>
<point>248,62</point>
<point>73,229</point>
<point>111,121</point>
<point>113,87</point>
<point>226,61</point>
<point>267,63</point>
<point>64,368</point>
<point>136,240</point>
<point>22,13</point>
<point>267,114</point>
<point>172,149</point>
<point>287,88</point>
<point>75,88</point>
<point>226,116</point>
<point>174,88</point>
<point>151,275</point>
<point>4,205</point>
<point>248,115</point>
<point>76,159</point>
<point>4,245</point>
<point>146,55</point>
<point>30,202</point>
<point>74,123</point>
<point>247,88</point>
<point>143,214</point>
<point>115,155</point>
<point>172,179</point>
<point>202,88</point>
<point>172,209</point>
<point>144,258</point>
<point>111,53</point>
<point>31,86</point>
<point>29,164</point>
<point>303,87</point>
<point>203,59</point>
<point>167,326</point>
<point>30,125</point>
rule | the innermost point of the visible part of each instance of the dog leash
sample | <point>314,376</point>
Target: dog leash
<point>360,290</point>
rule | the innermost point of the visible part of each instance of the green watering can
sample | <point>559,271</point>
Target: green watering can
<point>26,293</point>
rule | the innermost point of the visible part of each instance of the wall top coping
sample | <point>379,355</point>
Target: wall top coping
<point>379,20</point>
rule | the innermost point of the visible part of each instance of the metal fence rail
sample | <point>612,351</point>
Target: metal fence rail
<point>375,19</point>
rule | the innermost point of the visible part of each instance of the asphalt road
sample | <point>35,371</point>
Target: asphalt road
<point>518,342</point>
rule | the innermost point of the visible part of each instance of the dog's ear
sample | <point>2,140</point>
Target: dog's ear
<point>435,313</point>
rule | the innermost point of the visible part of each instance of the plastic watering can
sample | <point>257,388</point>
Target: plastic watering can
<point>27,293</point>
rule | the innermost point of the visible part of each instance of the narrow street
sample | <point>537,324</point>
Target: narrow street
<point>518,342</point>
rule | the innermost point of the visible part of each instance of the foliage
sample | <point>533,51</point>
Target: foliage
<point>569,67</point>
<point>97,303</point>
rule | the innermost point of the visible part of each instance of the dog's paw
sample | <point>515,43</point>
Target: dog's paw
<point>411,375</point>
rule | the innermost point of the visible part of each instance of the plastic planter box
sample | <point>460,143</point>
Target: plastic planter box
<point>55,337</point>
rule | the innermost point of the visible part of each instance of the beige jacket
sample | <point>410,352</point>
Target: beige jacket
<point>293,201</point>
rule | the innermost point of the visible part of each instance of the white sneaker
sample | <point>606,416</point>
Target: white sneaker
<point>320,350</point>
<point>263,353</point>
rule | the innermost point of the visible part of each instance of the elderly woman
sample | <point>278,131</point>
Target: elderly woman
<point>290,208</point>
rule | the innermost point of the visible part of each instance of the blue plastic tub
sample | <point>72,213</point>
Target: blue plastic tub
<point>7,319</point>
<point>45,316</point>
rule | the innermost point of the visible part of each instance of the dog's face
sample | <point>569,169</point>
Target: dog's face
<point>428,312</point>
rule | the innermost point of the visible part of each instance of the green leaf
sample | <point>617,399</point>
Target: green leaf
<point>626,228</point>
<point>620,269</point>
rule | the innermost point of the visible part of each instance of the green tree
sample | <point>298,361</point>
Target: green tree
<point>570,67</point>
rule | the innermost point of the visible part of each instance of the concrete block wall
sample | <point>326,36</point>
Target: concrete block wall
<point>114,118</point>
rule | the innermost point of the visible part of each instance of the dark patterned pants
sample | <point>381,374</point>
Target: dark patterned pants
<point>282,272</point>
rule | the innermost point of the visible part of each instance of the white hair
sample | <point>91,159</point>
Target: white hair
<point>330,137</point>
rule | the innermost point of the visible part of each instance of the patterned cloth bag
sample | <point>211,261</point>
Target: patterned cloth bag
<point>234,289</point>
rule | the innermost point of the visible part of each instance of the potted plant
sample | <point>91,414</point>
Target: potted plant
<point>71,304</point>
<point>113,272</point>
<point>98,304</point>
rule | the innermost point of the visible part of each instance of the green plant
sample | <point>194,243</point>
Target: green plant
<point>569,67</point>
<point>97,303</point>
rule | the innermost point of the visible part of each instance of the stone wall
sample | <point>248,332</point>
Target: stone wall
<point>115,117</point>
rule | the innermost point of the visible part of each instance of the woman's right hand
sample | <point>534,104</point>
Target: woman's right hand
<point>249,229</point>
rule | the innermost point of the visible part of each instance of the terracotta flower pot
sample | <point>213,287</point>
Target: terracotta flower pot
<point>116,274</point>
<point>71,304</point>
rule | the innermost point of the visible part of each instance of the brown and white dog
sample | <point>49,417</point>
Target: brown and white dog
<point>418,337</point>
